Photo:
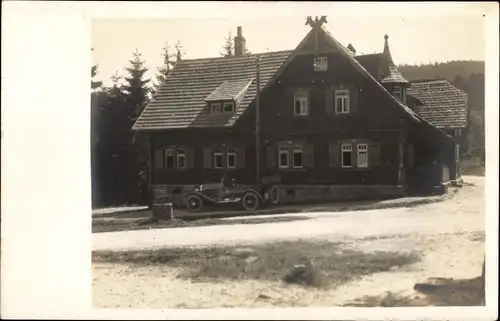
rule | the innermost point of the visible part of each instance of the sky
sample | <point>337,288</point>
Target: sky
<point>418,33</point>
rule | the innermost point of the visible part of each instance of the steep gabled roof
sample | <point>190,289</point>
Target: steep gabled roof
<point>180,102</point>
<point>444,105</point>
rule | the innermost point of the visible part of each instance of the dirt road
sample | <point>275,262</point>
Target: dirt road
<point>450,234</point>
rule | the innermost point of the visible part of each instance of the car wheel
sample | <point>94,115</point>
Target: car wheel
<point>250,201</point>
<point>194,203</point>
<point>274,195</point>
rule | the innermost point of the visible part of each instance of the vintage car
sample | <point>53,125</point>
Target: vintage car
<point>228,192</point>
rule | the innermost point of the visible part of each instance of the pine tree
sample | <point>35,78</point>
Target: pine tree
<point>136,97</point>
<point>179,52</point>
<point>228,48</point>
<point>115,147</point>
<point>93,72</point>
<point>164,70</point>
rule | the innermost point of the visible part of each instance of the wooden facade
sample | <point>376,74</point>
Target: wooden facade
<point>318,127</point>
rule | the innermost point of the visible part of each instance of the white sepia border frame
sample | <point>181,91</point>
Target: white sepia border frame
<point>46,44</point>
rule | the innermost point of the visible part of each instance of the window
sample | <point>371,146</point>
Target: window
<point>216,108</point>
<point>396,91</point>
<point>228,107</point>
<point>169,158</point>
<point>403,95</point>
<point>346,155</point>
<point>320,64</point>
<point>218,156</point>
<point>341,101</point>
<point>301,102</point>
<point>231,158</point>
<point>457,152</point>
<point>297,157</point>
<point>457,132</point>
<point>283,157</point>
<point>181,159</point>
<point>362,155</point>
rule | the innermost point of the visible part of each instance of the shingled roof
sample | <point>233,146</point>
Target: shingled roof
<point>180,102</point>
<point>444,105</point>
<point>381,69</point>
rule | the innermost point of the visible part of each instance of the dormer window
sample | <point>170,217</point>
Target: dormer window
<point>215,108</point>
<point>320,64</point>
<point>228,107</point>
<point>222,107</point>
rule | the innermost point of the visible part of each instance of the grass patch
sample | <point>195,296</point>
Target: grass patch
<point>117,225</point>
<point>327,265</point>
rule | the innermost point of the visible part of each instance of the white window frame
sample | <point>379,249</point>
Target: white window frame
<point>362,148</point>
<point>228,103</point>
<point>216,154</point>
<point>302,96</point>
<point>346,148</point>
<point>181,153</point>
<point>457,132</point>
<point>283,150</point>
<point>321,63</point>
<point>345,96</point>
<point>297,149</point>
<point>231,152</point>
<point>169,152</point>
<point>214,106</point>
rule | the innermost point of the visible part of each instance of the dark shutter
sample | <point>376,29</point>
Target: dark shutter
<point>189,157</point>
<point>374,154</point>
<point>308,154</point>
<point>354,100</point>
<point>240,157</point>
<point>271,157</point>
<point>329,100</point>
<point>334,154</point>
<point>158,159</point>
<point>207,157</point>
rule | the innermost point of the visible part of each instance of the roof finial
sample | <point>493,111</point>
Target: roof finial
<point>386,53</point>
<point>317,22</point>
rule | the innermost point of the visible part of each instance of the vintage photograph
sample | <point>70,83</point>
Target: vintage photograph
<point>295,161</point>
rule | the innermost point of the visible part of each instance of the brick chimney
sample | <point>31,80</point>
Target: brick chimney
<point>239,43</point>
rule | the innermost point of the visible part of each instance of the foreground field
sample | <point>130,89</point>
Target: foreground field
<point>372,258</point>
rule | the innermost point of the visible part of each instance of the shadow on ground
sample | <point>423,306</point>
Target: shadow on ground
<point>434,292</point>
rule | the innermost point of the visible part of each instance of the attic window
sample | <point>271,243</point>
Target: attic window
<point>228,107</point>
<point>215,108</point>
<point>222,107</point>
<point>320,64</point>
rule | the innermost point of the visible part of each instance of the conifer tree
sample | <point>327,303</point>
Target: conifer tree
<point>136,97</point>
<point>228,48</point>
<point>164,70</point>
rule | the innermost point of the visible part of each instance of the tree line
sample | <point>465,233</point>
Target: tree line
<point>119,156</point>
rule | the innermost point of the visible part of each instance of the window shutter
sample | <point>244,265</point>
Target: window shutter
<point>329,100</point>
<point>240,157</point>
<point>308,155</point>
<point>374,154</point>
<point>334,154</point>
<point>207,157</point>
<point>271,157</point>
<point>354,100</point>
<point>158,159</point>
<point>189,157</point>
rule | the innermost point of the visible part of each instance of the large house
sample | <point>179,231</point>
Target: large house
<point>324,123</point>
